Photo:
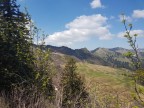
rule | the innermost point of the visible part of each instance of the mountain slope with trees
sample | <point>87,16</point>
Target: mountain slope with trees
<point>40,76</point>
<point>113,57</point>
<point>81,54</point>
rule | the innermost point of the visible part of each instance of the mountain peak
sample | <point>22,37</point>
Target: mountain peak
<point>99,49</point>
<point>85,49</point>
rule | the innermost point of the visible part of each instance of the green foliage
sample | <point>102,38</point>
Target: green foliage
<point>21,64</point>
<point>74,92</point>
<point>132,42</point>
<point>16,59</point>
<point>44,72</point>
<point>129,54</point>
<point>139,73</point>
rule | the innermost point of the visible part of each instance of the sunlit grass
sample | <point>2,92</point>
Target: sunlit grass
<point>108,84</point>
<point>104,74</point>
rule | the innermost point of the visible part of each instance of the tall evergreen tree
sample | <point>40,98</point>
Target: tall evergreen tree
<point>74,92</point>
<point>15,56</point>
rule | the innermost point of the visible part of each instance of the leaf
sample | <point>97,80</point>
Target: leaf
<point>135,35</point>
<point>128,54</point>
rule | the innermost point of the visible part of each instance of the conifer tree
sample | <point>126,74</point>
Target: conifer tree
<point>15,56</point>
<point>74,93</point>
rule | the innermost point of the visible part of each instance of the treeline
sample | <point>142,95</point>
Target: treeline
<point>117,63</point>
<point>26,72</point>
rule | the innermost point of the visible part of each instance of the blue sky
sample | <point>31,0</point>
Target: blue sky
<point>87,23</point>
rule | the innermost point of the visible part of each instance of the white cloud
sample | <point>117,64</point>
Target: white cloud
<point>138,14</point>
<point>87,22</point>
<point>81,29</point>
<point>127,18</point>
<point>140,33</point>
<point>96,4</point>
<point>112,17</point>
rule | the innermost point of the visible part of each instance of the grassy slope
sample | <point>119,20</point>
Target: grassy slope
<point>104,74</point>
<point>97,73</point>
<point>103,52</point>
<point>107,84</point>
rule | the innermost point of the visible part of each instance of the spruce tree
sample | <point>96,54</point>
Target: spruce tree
<point>15,55</point>
<point>74,92</point>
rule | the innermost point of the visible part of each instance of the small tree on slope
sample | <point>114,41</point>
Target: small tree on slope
<point>74,93</point>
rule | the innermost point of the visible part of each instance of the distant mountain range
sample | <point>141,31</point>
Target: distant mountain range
<point>113,57</point>
<point>82,54</point>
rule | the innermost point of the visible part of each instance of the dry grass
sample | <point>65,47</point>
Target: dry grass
<point>109,87</point>
<point>3,103</point>
<point>104,74</point>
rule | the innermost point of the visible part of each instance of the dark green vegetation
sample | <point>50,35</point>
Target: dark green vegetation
<point>27,72</point>
<point>20,72</point>
<point>16,58</point>
<point>74,94</point>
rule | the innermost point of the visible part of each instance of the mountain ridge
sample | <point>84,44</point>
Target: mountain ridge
<point>113,57</point>
<point>82,54</point>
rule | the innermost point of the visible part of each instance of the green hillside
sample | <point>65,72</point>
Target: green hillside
<point>108,84</point>
<point>113,56</point>
<point>56,68</point>
<point>105,74</point>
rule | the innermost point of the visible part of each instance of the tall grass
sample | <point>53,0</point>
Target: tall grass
<point>103,92</point>
<point>101,96</point>
<point>24,97</point>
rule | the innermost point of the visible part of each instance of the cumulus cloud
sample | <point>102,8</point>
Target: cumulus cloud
<point>140,33</point>
<point>96,4</point>
<point>138,14</point>
<point>81,29</point>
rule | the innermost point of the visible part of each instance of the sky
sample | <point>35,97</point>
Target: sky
<point>87,23</point>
